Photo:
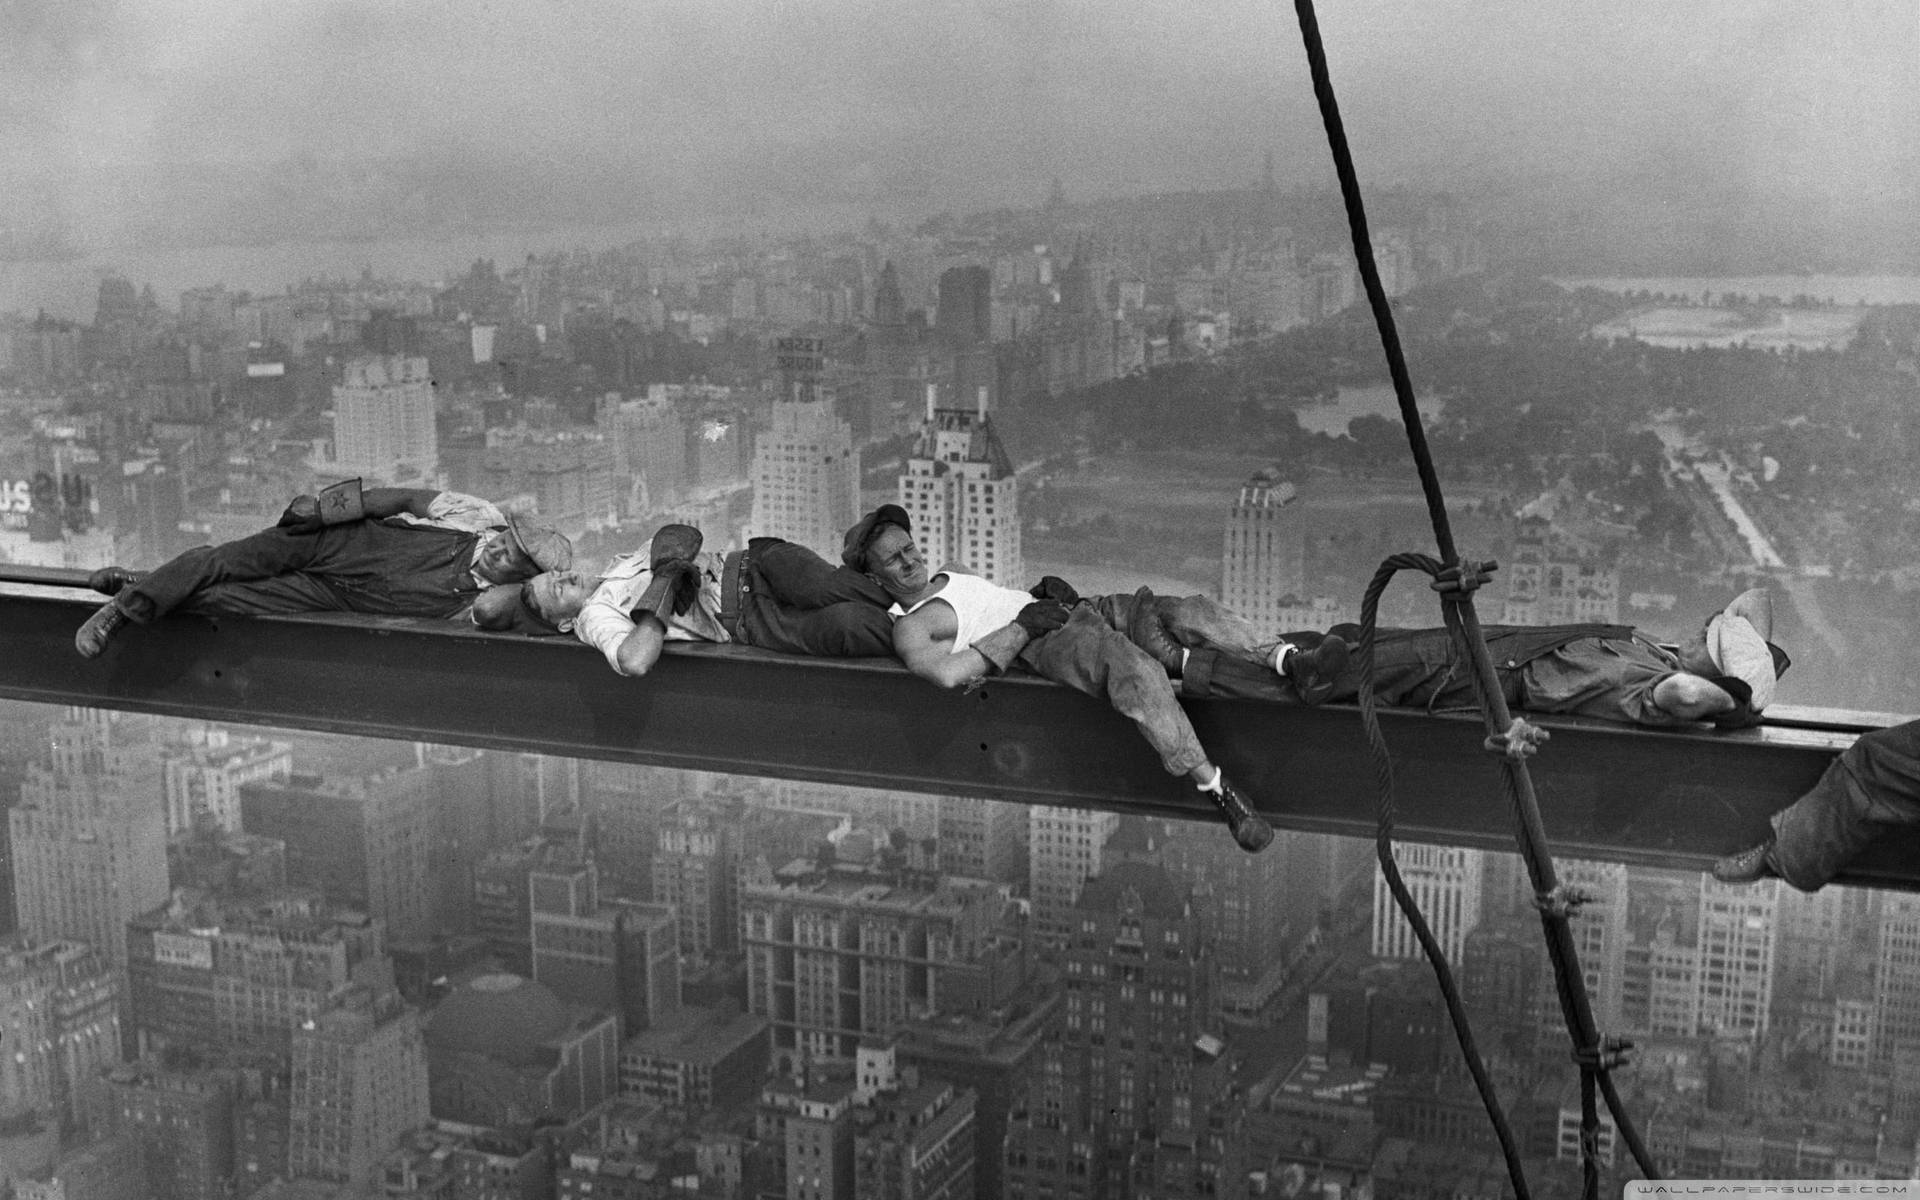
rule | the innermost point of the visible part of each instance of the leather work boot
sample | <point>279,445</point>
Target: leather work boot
<point>1314,672</point>
<point>1250,829</point>
<point>93,636</point>
<point>110,580</point>
<point>1149,632</point>
<point>1748,866</point>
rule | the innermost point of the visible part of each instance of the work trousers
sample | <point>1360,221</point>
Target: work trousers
<point>365,566</point>
<point>792,600</point>
<point>1872,787</point>
<point>1090,655</point>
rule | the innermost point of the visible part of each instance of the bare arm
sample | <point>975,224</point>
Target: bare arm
<point>1691,698</point>
<point>639,650</point>
<point>919,643</point>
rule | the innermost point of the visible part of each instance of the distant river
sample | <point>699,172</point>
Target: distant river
<point>1836,289</point>
<point>70,288</point>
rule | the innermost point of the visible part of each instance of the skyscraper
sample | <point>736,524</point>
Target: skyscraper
<point>89,839</point>
<point>1738,932</point>
<point>359,1083</point>
<point>1445,882</point>
<point>1135,1092</point>
<point>365,841</point>
<point>962,493</point>
<point>383,420</point>
<point>1065,846</point>
<point>1263,564</point>
<point>619,955</point>
<point>806,473</point>
<point>58,1020</point>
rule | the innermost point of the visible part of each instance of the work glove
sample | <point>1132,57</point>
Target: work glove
<point>335,505</point>
<point>1052,587</point>
<point>1041,617</point>
<point>676,574</point>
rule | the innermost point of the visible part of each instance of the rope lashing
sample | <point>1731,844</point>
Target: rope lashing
<point>1459,582</point>
<point>1521,739</point>
<point>1564,902</point>
<point>1611,1052</point>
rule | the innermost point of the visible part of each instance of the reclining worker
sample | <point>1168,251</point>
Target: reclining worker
<point>1725,674</point>
<point>1872,787</point>
<point>389,551</point>
<point>774,595</point>
<point>954,628</point>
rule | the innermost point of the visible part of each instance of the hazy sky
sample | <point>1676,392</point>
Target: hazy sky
<point>933,104</point>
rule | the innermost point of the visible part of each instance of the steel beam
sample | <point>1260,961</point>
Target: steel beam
<point>1668,798</point>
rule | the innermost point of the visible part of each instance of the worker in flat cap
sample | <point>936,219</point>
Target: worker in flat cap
<point>773,595</point>
<point>956,629</point>
<point>388,551</point>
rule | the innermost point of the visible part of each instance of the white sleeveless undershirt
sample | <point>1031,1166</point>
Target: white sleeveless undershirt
<point>979,606</point>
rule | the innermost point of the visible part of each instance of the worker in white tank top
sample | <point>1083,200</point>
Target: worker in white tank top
<point>980,629</point>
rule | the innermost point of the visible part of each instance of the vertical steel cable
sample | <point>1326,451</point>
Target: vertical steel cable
<point>1530,832</point>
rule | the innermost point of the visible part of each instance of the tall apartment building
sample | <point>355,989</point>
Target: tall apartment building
<point>203,773</point>
<point>806,471</point>
<point>1600,936</point>
<point>696,871</point>
<point>1738,934</point>
<point>58,1023</point>
<point>89,839</point>
<point>359,1084</point>
<point>1896,978</point>
<point>1135,1092</point>
<point>982,839</point>
<point>1446,882</point>
<point>1263,571</point>
<point>365,841</point>
<point>568,474</point>
<point>184,1123</point>
<point>618,955</point>
<point>1554,578</point>
<point>1065,847</point>
<point>228,981</point>
<point>962,494</point>
<point>837,955</point>
<point>383,420</point>
<point>1244,894</point>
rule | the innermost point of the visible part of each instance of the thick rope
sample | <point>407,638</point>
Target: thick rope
<point>1464,623</point>
<point>1384,813</point>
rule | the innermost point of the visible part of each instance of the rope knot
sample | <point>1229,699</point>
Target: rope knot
<point>1562,902</point>
<point>1605,1055</point>
<point>1520,740</point>
<point>1457,583</point>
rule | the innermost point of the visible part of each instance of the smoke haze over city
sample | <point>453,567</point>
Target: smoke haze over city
<point>187,123</point>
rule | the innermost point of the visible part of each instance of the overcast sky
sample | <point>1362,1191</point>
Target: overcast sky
<point>950,104</point>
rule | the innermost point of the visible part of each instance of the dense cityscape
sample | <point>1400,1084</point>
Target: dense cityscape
<point>267,963</point>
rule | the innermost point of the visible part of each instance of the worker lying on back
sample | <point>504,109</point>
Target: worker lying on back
<point>954,628</point>
<point>1725,673</point>
<point>387,551</point>
<point>774,595</point>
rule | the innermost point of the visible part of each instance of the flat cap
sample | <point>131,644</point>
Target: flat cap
<point>853,551</point>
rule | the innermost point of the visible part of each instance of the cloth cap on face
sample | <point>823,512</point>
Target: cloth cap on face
<point>674,542</point>
<point>853,551</point>
<point>548,548</point>
<point>1738,650</point>
<point>509,608</point>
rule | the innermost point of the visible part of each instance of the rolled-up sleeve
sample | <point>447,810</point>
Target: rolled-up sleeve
<point>603,625</point>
